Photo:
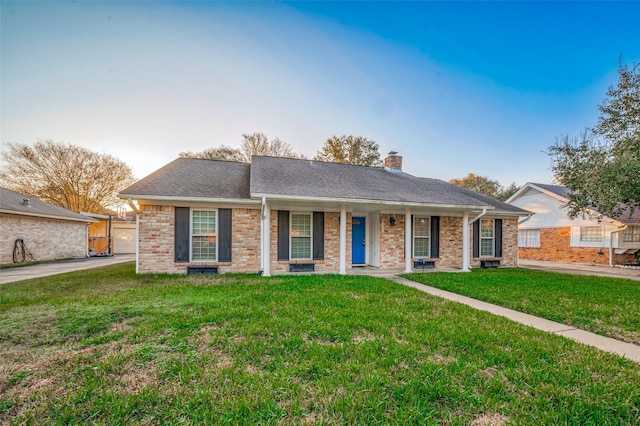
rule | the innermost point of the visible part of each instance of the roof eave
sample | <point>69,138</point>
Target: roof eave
<point>174,198</point>
<point>280,197</point>
<point>48,216</point>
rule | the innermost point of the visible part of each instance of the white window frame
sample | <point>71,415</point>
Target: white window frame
<point>588,236</point>
<point>191,234</point>
<point>492,238</point>
<point>631,234</point>
<point>427,237</point>
<point>529,238</point>
<point>310,235</point>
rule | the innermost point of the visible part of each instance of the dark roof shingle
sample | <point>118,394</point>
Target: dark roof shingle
<point>307,178</point>
<point>12,201</point>
<point>194,177</point>
<point>295,178</point>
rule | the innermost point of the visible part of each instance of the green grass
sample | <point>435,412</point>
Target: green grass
<point>105,346</point>
<point>607,306</point>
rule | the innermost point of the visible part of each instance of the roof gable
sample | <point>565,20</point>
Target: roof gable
<point>561,193</point>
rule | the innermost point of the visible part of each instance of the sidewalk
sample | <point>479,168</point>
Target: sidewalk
<point>607,344</point>
<point>581,269</point>
<point>45,269</point>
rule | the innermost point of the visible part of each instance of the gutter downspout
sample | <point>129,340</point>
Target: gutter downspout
<point>466,263</point>
<point>484,211</point>
<point>525,219</point>
<point>467,266</point>
<point>133,206</point>
<point>611,243</point>
<point>519,223</point>
<point>262,235</point>
<point>135,209</point>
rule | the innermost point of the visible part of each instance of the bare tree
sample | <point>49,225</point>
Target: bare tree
<point>350,150</point>
<point>66,175</point>
<point>251,144</point>
<point>259,144</point>
<point>223,152</point>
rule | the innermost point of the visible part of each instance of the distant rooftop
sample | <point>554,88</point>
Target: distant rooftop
<point>16,203</point>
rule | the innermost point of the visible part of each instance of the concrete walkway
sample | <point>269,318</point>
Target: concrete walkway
<point>20,273</point>
<point>581,269</point>
<point>626,350</point>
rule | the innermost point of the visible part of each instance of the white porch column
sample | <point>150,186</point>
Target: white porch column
<point>407,241</point>
<point>265,247</point>
<point>465,242</point>
<point>343,240</point>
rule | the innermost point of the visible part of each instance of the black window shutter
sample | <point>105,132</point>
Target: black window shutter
<point>498,237</point>
<point>476,238</point>
<point>224,235</point>
<point>318,235</point>
<point>181,234</point>
<point>283,235</point>
<point>413,222</point>
<point>435,237</point>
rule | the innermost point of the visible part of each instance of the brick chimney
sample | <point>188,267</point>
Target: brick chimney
<point>393,162</point>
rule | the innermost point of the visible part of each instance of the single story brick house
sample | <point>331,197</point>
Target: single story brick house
<point>47,231</point>
<point>551,235</point>
<point>277,215</point>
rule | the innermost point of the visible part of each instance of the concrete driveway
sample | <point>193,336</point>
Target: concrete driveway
<point>581,269</point>
<point>45,269</point>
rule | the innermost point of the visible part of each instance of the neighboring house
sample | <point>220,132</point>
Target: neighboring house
<point>112,234</point>
<point>551,235</point>
<point>276,215</point>
<point>47,231</point>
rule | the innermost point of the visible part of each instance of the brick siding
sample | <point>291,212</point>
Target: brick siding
<point>331,261</point>
<point>156,242</point>
<point>46,239</point>
<point>509,245</point>
<point>555,245</point>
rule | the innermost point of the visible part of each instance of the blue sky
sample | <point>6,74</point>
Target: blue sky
<point>455,87</point>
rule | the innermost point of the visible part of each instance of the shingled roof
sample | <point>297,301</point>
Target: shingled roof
<point>288,178</point>
<point>195,178</point>
<point>13,202</point>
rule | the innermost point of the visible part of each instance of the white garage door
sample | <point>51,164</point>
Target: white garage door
<point>124,239</point>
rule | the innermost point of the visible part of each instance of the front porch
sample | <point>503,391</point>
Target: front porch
<point>308,237</point>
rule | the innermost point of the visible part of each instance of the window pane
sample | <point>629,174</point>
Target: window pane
<point>486,247</point>
<point>421,247</point>
<point>591,233</point>
<point>486,228</point>
<point>421,227</point>
<point>631,234</point>
<point>300,247</point>
<point>203,248</point>
<point>204,222</point>
<point>529,238</point>
<point>301,225</point>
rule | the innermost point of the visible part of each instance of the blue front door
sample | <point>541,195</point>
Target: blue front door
<point>357,240</point>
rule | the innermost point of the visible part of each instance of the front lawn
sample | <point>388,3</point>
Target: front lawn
<point>106,346</point>
<point>607,306</point>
